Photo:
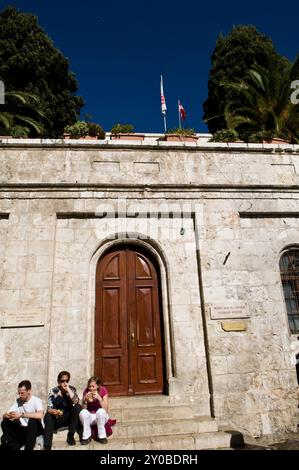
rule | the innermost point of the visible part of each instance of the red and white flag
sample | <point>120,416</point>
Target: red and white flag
<point>182,111</point>
<point>163,102</point>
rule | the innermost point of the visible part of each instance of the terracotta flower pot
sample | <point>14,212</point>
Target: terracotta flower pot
<point>123,136</point>
<point>180,138</point>
<point>88,137</point>
<point>276,140</point>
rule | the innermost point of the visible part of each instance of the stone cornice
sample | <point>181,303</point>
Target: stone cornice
<point>269,215</point>
<point>150,144</point>
<point>146,187</point>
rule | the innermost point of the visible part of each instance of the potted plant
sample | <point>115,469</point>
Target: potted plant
<point>266,137</point>
<point>125,132</point>
<point>84,130</point>
<point>95,131</point>
<point>225,135</point>
<point>76,131</point>
<point>181,135</point>
<point>20,132</point>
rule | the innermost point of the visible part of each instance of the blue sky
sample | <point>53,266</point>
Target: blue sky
<point>118,49</point>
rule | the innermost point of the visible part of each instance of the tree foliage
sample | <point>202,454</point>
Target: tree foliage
<point>122,129</point>
<point>18,109</point>
<point>266,107</point>
<point>181,131</point>
<point>225,135</point>
<point>233,56</point>
<point>31,64</point>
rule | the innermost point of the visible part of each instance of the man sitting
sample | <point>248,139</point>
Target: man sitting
<point>23,421</point>
<point>63,410</point>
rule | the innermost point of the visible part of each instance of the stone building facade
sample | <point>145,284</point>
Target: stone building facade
<point>215,218</point>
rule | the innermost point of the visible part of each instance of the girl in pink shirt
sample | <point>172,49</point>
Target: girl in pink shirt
<point>95,412</point>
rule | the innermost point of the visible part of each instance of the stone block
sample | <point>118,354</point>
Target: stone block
<point>44,264</point>
<point>39,247</point>
<point>9,299</point>
<point>41,233</point>
<point>38,280</point>
<point>219,365</point>
<point>65,235</point>
<point>16,248</point>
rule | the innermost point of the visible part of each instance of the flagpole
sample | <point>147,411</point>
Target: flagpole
<point>180,124</point>
<point>163,103</point>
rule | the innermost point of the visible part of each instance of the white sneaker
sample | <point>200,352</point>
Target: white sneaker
<point>39,443</point>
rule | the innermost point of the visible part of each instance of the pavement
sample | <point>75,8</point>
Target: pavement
<point>292,443</point>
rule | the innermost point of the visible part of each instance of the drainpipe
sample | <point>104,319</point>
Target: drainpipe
<point>204,322</point>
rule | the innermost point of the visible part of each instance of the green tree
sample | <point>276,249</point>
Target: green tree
<point>32,64</point>
<point>18,109</point>
<point>233,56</point>
<point>266,107</point>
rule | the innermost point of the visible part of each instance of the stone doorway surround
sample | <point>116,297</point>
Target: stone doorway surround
<point>185,358</point>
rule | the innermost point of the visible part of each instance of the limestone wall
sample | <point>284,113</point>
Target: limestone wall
<point>254,378</point>
<point>207,164</point>
<point>56,219</point>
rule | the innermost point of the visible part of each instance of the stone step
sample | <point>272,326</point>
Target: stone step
<point>141,400</point>
<point>157,428</point>
<point>180,442</point>
<point>161,427</point>
<point>213,440</point>
<point>150,413</point>
<point>154,423</point>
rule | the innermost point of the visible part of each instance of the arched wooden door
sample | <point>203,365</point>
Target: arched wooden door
<point>128,337</point>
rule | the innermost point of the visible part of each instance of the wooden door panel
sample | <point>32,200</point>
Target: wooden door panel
<point>144,317</point>
<point>111,346</point>
<point>111,370</point>
<point>142,268</point>
<point>128,343</point>
<point>146,349</point>
<point>111,317</point>
<point>147,369</point>
<point>112,268</point>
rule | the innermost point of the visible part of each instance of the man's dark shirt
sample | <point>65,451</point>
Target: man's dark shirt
<point>62,402</point>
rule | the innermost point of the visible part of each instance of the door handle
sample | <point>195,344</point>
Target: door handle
<point>132,336</point>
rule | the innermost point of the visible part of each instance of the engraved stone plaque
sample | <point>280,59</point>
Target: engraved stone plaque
<point>229,309</point>
<point>13,319</point>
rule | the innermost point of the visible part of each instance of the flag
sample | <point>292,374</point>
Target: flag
<point>182,111</point>
<point>163,102</point>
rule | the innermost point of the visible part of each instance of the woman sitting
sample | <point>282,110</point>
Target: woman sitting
<point>95,412</point>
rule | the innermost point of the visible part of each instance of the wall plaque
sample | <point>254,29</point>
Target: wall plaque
<point>234,325</point>
<point>19,319</point>
<point>229,309</point>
